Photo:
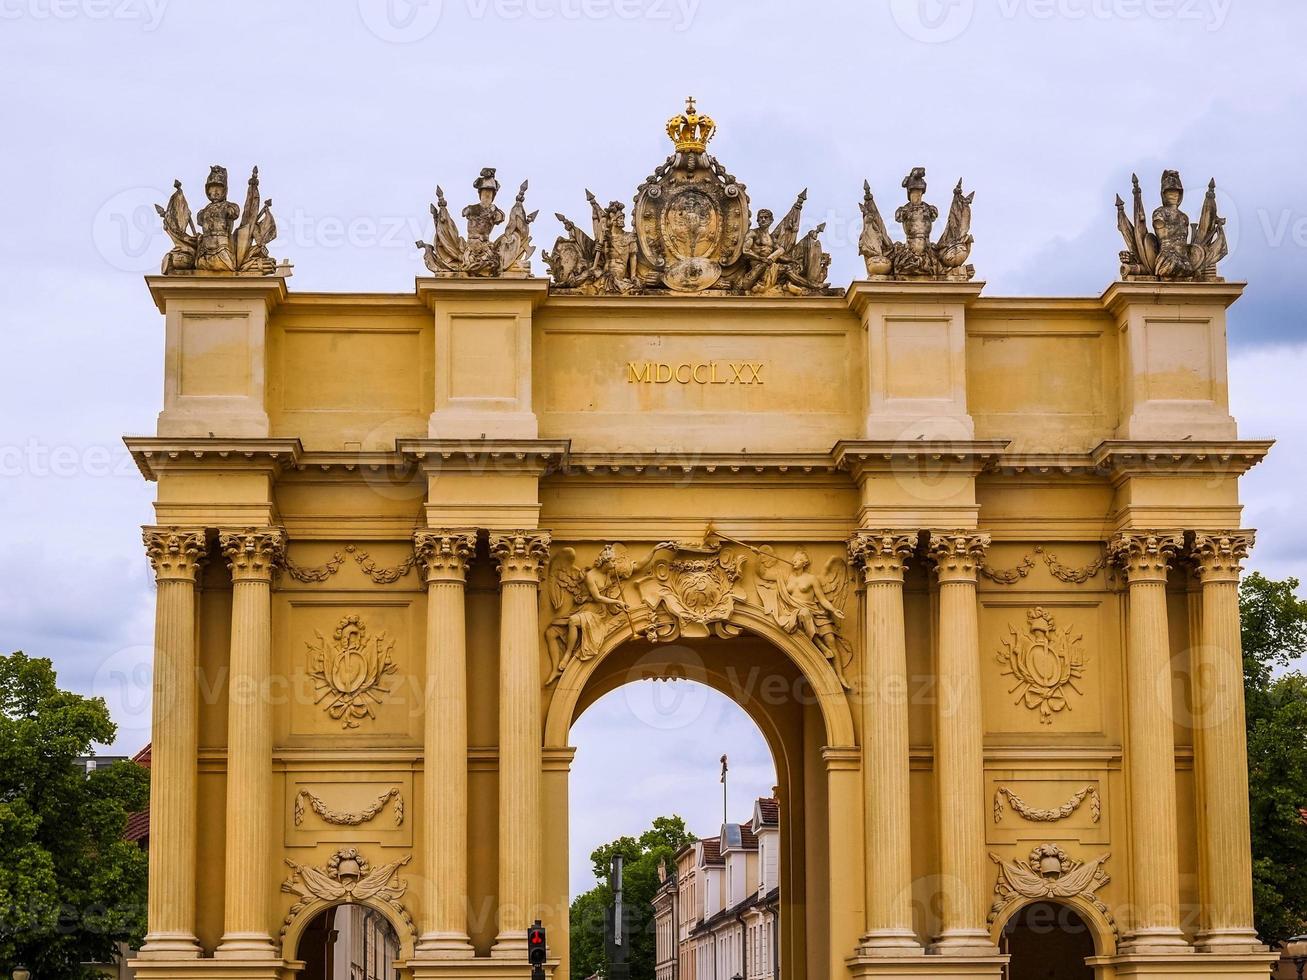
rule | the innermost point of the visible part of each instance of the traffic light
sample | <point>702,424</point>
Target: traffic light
<point>537,944</point>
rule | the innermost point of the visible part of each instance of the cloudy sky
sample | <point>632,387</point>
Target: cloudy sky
<point>354,110</point>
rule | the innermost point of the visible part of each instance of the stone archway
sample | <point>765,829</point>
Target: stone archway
<point>300,931</point>
<point>794,697</point>
<point>1047,938</point>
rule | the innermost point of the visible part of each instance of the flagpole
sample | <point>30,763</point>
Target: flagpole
<point>725,808</point>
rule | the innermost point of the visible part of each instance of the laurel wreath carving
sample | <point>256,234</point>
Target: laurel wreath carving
<point>347,819</point>
<point>378,574</point>
<point>1038,815</point>
<point>319,574</point>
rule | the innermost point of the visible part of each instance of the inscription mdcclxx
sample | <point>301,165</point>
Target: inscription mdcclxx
<point>698,373</point>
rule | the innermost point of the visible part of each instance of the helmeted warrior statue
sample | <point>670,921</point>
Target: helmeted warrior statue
<point>1174,250</point>
<point>218,244</point>
<point>450,254</point>
<point>918,257</point>
<point>691,233</point>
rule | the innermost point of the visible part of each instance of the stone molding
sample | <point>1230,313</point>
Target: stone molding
<point>254,554</point>
<point>882,556</point>
<point>175,553</point>
<point>520,556</point>
<point>1145,555</point>
<point>958,555</point>
<point>1218,556</point>
<point>444,554</point>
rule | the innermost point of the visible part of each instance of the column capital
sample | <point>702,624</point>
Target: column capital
<point>882,555</point>
<point>444,553</point>
<point>1144,556</point>
<point>254,554</point>
<point>520,554</point>
<point>957,555</point>
<point>175,553</point>
<point>1218,556</point>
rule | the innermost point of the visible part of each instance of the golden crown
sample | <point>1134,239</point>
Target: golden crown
<point>691,130</point>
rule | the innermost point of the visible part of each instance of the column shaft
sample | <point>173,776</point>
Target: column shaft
<point>444,555</point>
<point>1225,848</point>
<point>253,555</point>
<point>520,556</point>
<point>176,555</point>
<point>959,749</point>
<point>1150,743</point>
<point>887,827</point>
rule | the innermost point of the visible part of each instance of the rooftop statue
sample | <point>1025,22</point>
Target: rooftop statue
<point>918,257</point>
<point>219,245</point>
<point>450,254</point>
<point>1174,250</point>
<point>691,233</point>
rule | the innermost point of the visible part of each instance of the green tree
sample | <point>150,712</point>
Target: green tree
<point>642,856</point>
<point>70,887</point>
<point>1274,627</point>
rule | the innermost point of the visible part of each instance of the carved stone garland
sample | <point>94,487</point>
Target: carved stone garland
<point>1038,815</point>
<point>346,818</point>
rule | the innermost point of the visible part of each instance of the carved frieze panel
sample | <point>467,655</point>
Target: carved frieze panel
<point>1045,804</point>
<point>1045,662</point>
<point>370,806</point>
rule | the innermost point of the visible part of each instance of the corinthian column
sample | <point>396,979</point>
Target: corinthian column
<point>254,555</point>
<point>444,556</point>
<point>176,554</point>
<point>959,748</point>
<point>885,791</point>
<point>1222,750</point>
<point>519,555</point>
<point>1145,558</point>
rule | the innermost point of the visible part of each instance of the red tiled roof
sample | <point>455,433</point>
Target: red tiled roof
<point>712,850</point>
<point>138,827</point>
<point>142,758</point>
<point>748,840</point>
<point>770,810</point>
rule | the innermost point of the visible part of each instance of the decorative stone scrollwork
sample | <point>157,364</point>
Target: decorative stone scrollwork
<point>174,552</point>
<point>379,574</point>
<point>690,233</point>
<point>1174,250</point>
<point>1050,874</point>
<point>958,555</point>
<point>348,670</point>
<point>444,554</point>
<point>520,555</point>
<point>318,574</point>
<point>1045,662</point>
<point>219,245</point>
<point>1145,555</point>
<point>347,877</point>
<point>346,818</point>
<point>882,555</point>
<point>1038,815</point>
<point>799,600</point>
<point>508,256</point>
<point>918,257</point>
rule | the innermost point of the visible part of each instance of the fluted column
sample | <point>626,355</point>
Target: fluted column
<point>959,749</point>
<point>176,554</point>
<point>887,824</point>
<point>444,556</point>
<point>254,555</point>
<point>1222,751</point>
<point>520,556</point>
<point>1145,558</point>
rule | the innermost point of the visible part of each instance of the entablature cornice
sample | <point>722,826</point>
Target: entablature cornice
<point>154,455</point>
<point>532,456</point>
<point>433,291</point>
<point>871,457</point>
<point>271,289</point>
<point>1121,459</point>
<point>680,463</point>
<point>861,293</point>
<point>1122,294</point>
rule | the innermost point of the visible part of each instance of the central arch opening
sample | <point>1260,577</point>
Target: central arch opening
<point>743,895</point>
<point>349,942</point>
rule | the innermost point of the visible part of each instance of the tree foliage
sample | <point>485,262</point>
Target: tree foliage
<point>1274,624</point>
<point>589,910</point>
<point>70,887</point>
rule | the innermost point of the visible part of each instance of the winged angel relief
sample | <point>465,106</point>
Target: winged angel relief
<point>1049,873</point>
<point>347,877</point>
<point>801,601</point>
